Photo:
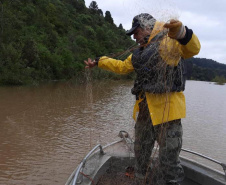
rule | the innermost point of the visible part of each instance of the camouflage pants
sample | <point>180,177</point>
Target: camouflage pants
<point>169,137</point>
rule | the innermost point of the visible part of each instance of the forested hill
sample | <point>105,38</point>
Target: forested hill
<point>206,70</point>
<point>49,39</point>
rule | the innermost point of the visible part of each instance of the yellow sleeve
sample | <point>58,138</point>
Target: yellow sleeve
<point>171,50</point>
<point>191,48</point>
<point>116,66</point>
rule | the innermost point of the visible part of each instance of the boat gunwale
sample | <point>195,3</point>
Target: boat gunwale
<point>79,167</point>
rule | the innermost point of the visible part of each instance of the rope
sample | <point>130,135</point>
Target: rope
<point>87,176</point>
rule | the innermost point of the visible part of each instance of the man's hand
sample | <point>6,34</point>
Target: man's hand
<point>176,29</point>
<point>90,63</point>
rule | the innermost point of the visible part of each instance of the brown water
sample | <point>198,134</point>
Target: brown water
<point>47,130</point>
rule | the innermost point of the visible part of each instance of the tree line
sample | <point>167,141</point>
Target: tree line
<point>203,69</point>
<point>48,40</point>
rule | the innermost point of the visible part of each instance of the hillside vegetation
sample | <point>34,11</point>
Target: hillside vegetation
<point>207,70</point>
<point>49,39</point>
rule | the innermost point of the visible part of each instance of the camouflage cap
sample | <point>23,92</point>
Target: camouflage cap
<point>141,20</point>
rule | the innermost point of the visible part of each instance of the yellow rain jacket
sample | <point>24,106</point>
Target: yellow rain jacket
<point>162,107</point>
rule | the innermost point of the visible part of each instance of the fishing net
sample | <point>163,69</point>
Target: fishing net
<point>159,71</point>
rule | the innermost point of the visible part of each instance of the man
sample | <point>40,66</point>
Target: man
<point>159,86</point>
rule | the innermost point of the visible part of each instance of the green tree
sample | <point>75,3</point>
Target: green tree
<point>120,26</point>
<point>108,17</point>
<point>29,53</point>
<point>79,5</point>
<point>220,80</point>
<point>93,6</point>
<point>100,12</point>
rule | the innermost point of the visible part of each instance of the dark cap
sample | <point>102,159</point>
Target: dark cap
<point>141,20</point>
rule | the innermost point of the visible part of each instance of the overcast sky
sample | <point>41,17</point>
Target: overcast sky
<point>207,19</point>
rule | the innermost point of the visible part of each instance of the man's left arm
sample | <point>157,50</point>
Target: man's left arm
<point>189,42</point>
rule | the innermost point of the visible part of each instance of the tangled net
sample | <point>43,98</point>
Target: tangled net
<point>168,77</point>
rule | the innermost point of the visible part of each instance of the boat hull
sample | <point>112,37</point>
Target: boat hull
<point>111,163</point>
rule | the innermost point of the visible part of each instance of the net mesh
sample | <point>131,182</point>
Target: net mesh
<point>157,168</point>
<point>159,71</point>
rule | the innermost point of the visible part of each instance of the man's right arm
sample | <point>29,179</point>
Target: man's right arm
<point>113,65</point>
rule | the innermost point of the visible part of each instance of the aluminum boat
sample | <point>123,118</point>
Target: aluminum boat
<point>109,165</point>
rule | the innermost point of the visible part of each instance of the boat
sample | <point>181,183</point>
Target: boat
<point>113,163</point>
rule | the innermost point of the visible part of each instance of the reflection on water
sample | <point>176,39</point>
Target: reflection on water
<point>47,130</point>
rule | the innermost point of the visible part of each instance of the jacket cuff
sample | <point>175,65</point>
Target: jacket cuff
<point>187,37</point>
<point>97,60</point>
